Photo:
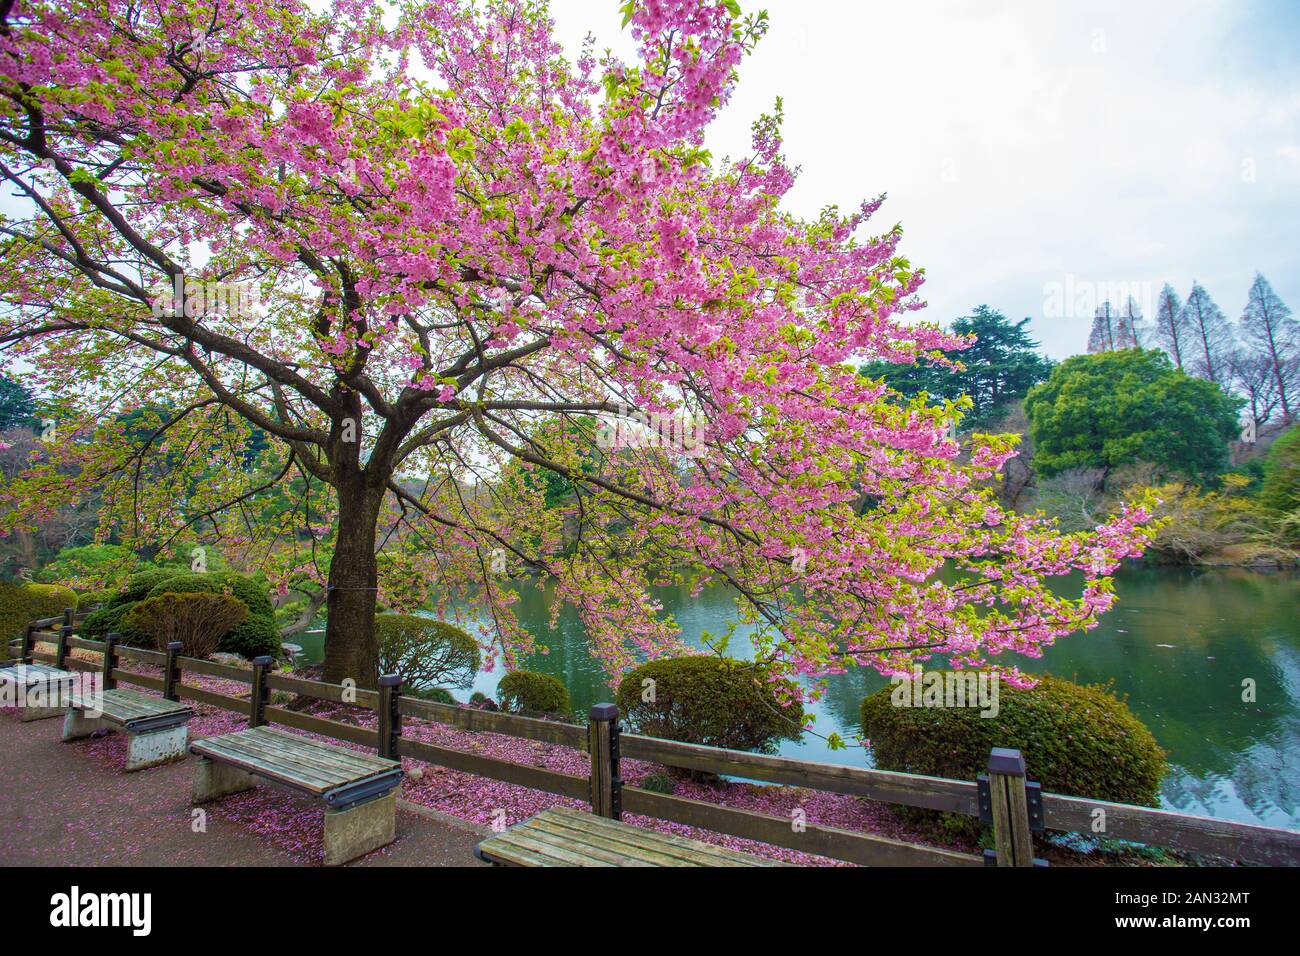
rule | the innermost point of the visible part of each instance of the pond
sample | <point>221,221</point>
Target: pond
<point>1178,643</point>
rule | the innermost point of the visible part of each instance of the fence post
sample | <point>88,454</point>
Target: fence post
<point>172,672</point>
<point>390,717</point>
<point>25,652</point>
<point>61,648</point>
<point>110,661</point>
<point>1011,837</point>
<point>67,617</point>
<point>602,739</point>
<point>257,710</point>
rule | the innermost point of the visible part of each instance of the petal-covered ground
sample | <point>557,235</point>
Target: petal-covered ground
<point>484,801</point>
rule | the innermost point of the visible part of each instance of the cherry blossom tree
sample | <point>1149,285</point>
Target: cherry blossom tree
<point>377,270</point>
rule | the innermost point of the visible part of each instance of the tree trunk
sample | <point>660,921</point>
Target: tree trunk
<point>351,651</point>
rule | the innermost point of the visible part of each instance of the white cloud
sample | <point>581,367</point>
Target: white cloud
<point>1110,142</point>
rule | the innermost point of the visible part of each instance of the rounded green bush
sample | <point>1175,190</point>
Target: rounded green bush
<point>529,692</point>
<point>255,637</point>
<point>90,600</point>
<point>112,619</point>
<point>715,701</point>
<point>1077,740</point>
<point>20,604</point>
<point>140,584</point>
<point>254,594</point>
<point>435,695</point>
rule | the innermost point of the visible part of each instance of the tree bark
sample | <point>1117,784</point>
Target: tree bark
<point>351,651</point>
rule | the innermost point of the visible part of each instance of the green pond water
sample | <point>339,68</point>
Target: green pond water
<point>1178,643</point>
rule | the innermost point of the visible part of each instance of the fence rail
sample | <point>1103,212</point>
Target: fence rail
<point>1013,806</point>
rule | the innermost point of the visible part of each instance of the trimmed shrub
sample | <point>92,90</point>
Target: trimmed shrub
<point>528,692</point>
<point>1077,740</point>
<point>139,585</point>
<point>255,637</point>
<point>112,619</point>
<point>90,600</point>
<point>425,652</point>
<point>198,621</point>
<point>715,701</point>
<point>434,695</point>
<point>20,604</point>
<point>253,593</point>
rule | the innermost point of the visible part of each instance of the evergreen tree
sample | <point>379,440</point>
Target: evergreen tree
<point>1000,367</point>
<point>17,408</point>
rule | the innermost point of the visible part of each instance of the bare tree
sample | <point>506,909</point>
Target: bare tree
<point>1102,336</point>
<point>1212,338</point>
<point>1267,324</point>
<point>1171,332</point>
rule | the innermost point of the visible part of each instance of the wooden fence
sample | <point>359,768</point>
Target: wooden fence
<point>1014,807</point>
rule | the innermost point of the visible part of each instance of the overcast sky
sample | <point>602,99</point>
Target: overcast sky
<point>1031,147</point>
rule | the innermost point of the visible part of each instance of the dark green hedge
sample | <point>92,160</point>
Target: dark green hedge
<point>714,701</point>
<point>1076,739</point>
<point>21,603</point>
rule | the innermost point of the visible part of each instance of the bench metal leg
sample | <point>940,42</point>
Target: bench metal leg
<point>77,725</point>
<point>355,832</point>
<point>213,780</point>
<point>154,747</point>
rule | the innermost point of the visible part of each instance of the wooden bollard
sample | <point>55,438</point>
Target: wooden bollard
<point>390,715</point>
<point>257,708</point>
<point>110,661</point>
<point>1012,839</point>
<point>61,648</point>
<point>602,739</point>
<point>172,672</point>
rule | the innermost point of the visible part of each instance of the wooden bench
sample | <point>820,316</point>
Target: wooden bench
<point>359,790</point>
<point>38,690</point>
<point>563,837</point>
<point>157,726</point>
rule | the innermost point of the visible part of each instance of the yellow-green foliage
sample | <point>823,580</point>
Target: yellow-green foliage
<point>718,702</point>
<point>1202,522</point>
<point>20,604</point>
<point>527,692</point>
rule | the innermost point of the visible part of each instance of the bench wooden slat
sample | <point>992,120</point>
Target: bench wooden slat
<point>642,841</point>
<point>561,836</point>
<point>271,763</point>
<point>293,759</point>
<point>32,673</point>
<point>558,852</point>
<point>122,706</point>
<point>617,852</point>
<point>307,764</point>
